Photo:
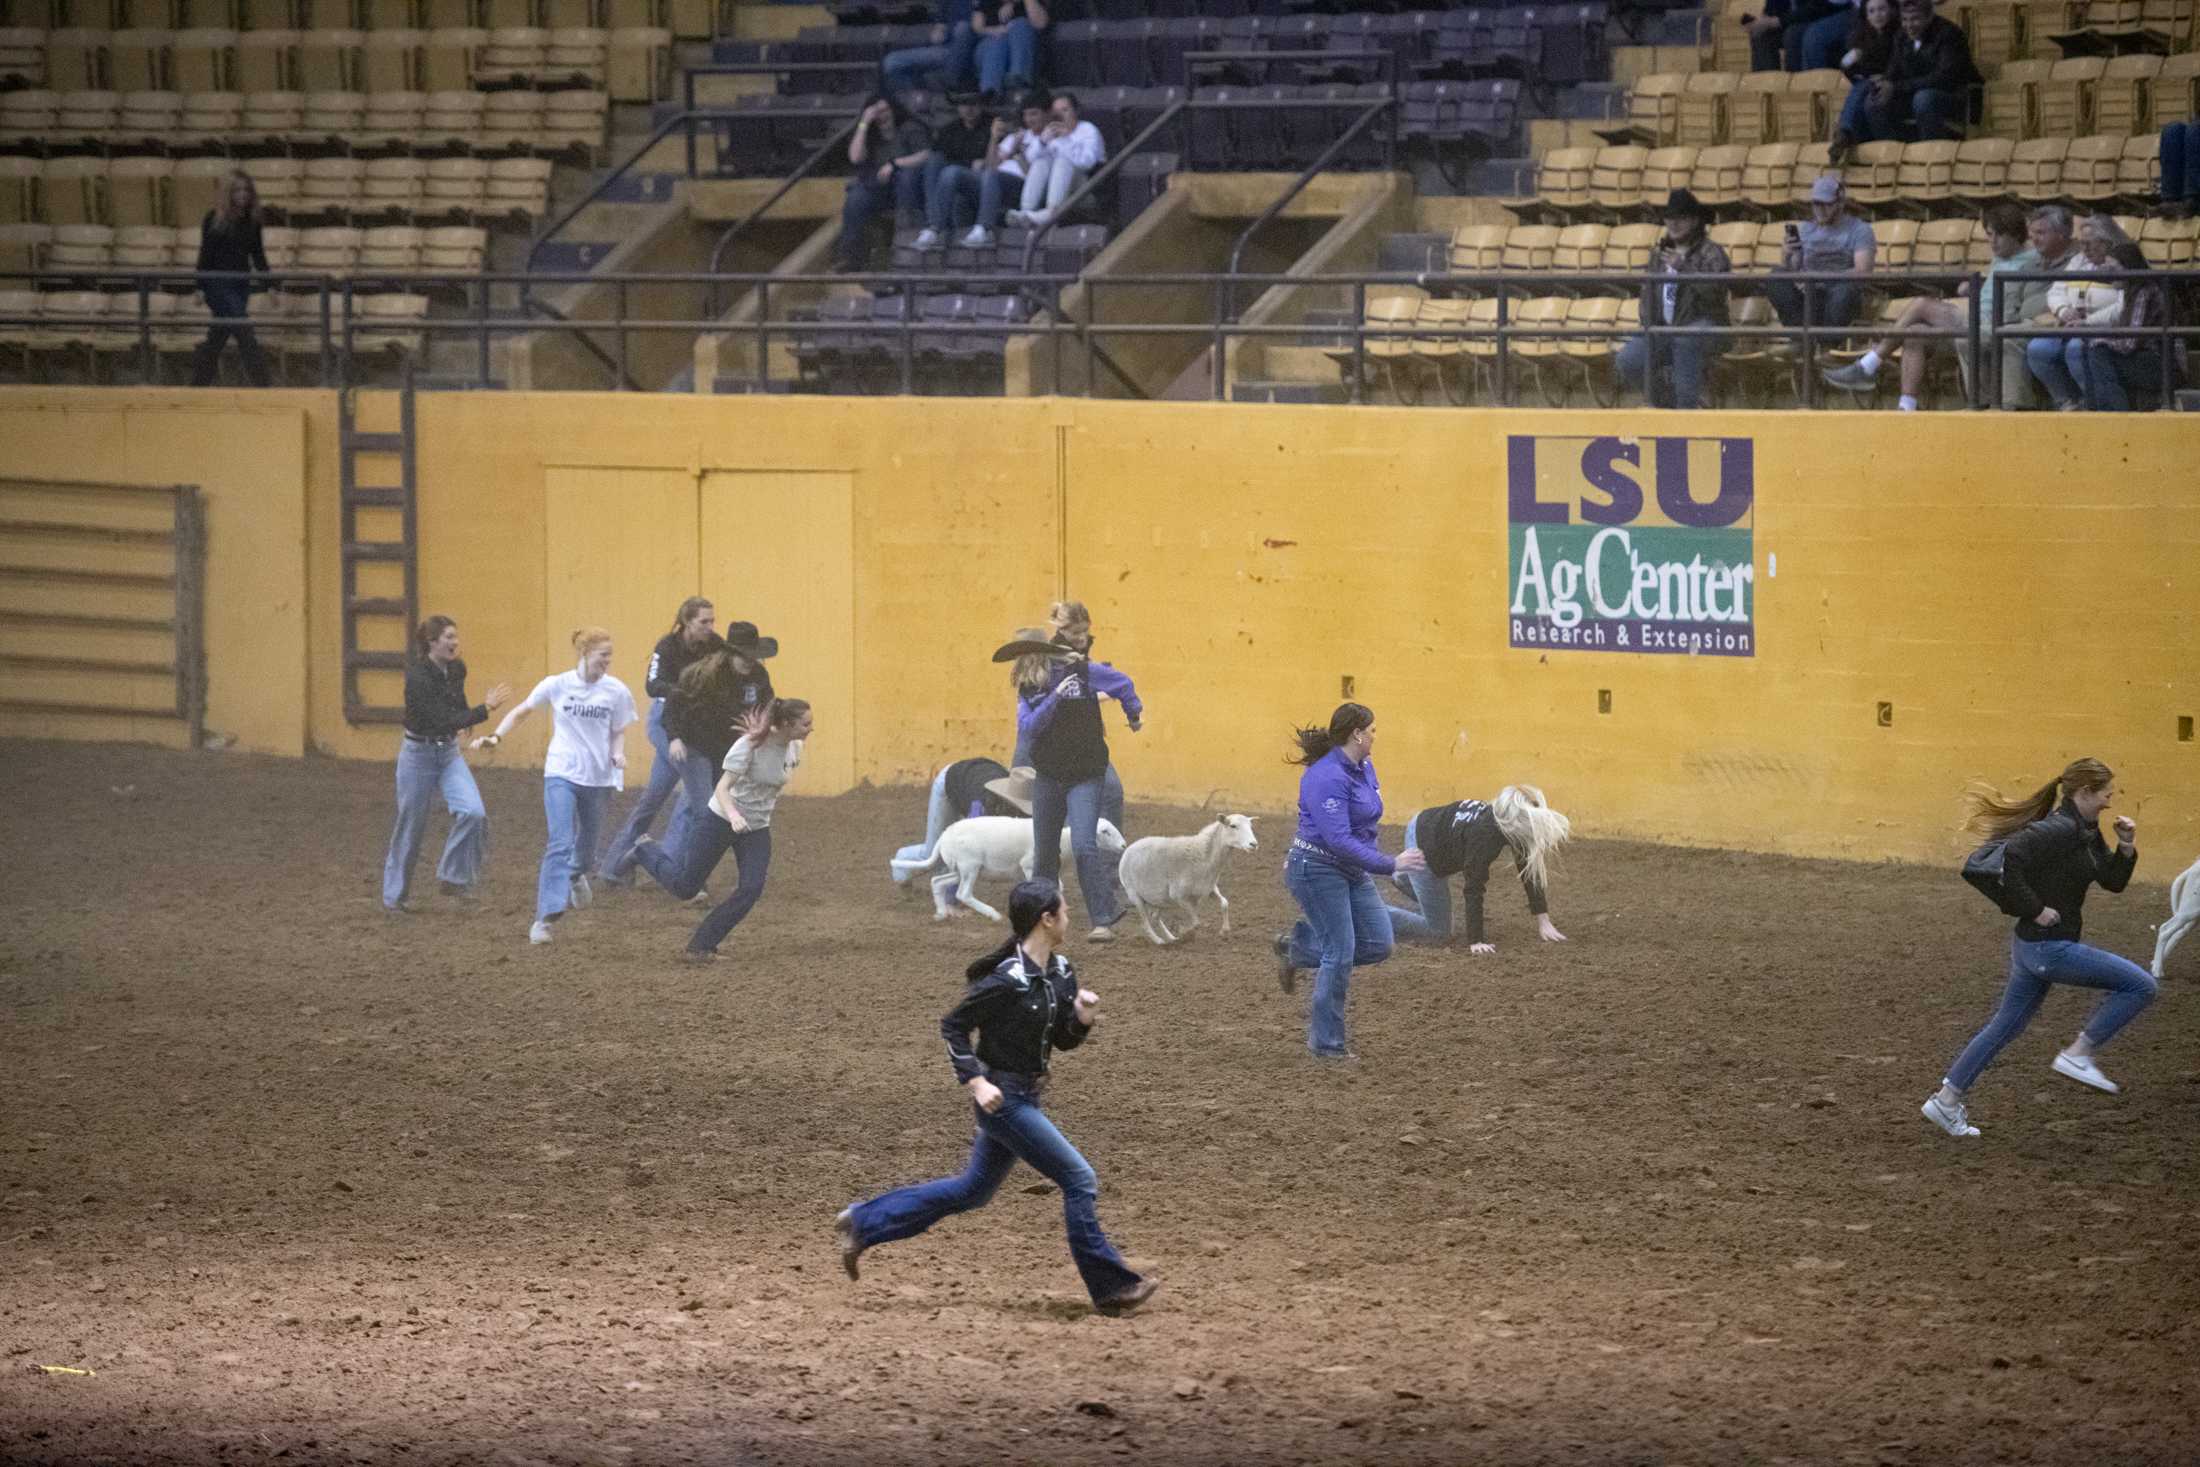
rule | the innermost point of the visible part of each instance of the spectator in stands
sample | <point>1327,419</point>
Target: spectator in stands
<point>1871,43</point>
<point>229,242</point>
<point>2059,362</point>
<point>953,184</point>
<point>1764,34</point>
<point>888,153</point>
<point>2122,366</point>
<point>1005,167</point>
<point>1998,306</point>
<point>1008,44</point>
<point>948,62</point>
<point>1927,89</point>
<point>1069,148</point>
<point>1686,250</point>
<point>1832,239</point>
<point>1815,33</point>
<point>2180,153</point>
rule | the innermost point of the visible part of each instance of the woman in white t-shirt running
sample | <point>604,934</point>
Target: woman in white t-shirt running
<point>589,712</point>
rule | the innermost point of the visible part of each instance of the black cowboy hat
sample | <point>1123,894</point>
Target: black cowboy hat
<point>1010,651</point>
<point>742,637</point>
<point>1682,204</point>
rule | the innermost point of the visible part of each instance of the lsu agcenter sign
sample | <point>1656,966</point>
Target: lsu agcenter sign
<point>1631,544</point>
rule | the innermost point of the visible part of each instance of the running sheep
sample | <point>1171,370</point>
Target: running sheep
<point>1181,870</point>
<point>990,845</point>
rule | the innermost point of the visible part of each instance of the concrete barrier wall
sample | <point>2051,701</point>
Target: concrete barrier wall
<point>1880,608</point>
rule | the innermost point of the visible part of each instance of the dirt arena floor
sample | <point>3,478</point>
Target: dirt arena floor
<point>304,1183</point>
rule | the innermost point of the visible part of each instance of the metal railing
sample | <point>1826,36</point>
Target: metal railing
<point>338,326</point>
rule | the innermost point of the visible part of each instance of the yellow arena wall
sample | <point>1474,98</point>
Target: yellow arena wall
<point>1922,601</point>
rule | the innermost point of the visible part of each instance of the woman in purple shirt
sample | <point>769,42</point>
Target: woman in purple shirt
<point>1328,872</point>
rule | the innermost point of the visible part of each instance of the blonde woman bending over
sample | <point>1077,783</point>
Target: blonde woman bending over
<point>1462,839</point>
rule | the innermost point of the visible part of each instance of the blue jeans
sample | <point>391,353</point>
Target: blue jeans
<point>1645,365</point>
<point>2181,161</point>
<point>1018,1131</point>
<point>1938,115</point>
<point>2033,966</point>
<point>2112,376</point>
<point>666,775</point>
<point>866,196</point>
<point>2058,364</point>
<point>948,65</point>
<point>698,777</point>
<point>423,772</point>
<point>1009,52</point>
<point>1346,926</point>
<point>711,838</point>
<point>954,196</point>
<point>229,302</point>
<point>1432,923</point>
<point>937,817</point>
<point>575,814</point>
<point>1856,114</point>
<point>1819,45</point>
<point>1053,803</point>
<point>1835,305</point>
<point>996,187</point>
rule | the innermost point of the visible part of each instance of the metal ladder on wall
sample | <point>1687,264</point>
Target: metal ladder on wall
<point>366,496</point>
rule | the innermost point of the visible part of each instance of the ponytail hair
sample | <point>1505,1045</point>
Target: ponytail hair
<point>1070,620</point>
<point>787,712</point>
<point>1532,828</point>
<point>425,635</point>
<point>1030,901</point>
<point>1997,817</point>
<point>1316,742</point>
<point>588,639</point>
<point>686,613</point>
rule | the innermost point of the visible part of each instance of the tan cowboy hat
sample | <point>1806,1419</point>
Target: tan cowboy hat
<point>1016,789</point>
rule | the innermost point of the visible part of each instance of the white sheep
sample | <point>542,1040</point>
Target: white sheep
<point>1181,870</point>
<point>2184,913</point>
<point>990,845</point>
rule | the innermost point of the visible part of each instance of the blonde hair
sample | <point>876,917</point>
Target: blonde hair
<point>588,639</point>
<point>1532,828</point>
<point>1997,817</point>
<point>1030,670</point>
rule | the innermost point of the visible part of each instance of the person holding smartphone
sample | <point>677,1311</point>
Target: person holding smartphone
<point>1832,240</point>
<point>1669,370</point>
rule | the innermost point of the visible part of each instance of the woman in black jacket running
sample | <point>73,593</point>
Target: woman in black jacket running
<point>1024,1002</point>
<point>2054,853</point>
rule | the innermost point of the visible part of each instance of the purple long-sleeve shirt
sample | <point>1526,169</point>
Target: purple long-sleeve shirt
<point>1033,714</point>
<point>1340,808</point>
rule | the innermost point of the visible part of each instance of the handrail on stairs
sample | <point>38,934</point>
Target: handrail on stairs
<point>715,305</point>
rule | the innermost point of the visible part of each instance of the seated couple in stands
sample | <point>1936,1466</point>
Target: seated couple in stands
<point>994,46</point>
<point>1912,76</point>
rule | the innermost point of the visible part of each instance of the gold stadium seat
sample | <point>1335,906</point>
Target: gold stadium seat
<point>332,185</point>
<point>454,249</point>
<point>1943,244</point>
<point>1768,175</point>
<point>333,118</point>
<point>2120,96</point>
<point>1615,177</point>
<point>619,13</point>
<point>691,19</point>
<point>573,121</point>
<point>204,60</point>
<point>1562,178</point>
<point>266,15</point>
<point>272,119</point>
<point>571,14</point>
<point>1592,356</point>
<point>2063,101</point>
<point>444,15</point>
<point>211,118</point>
<point>73,191</point>
<point>2174,97</point>
<point>1629,246</point>
<point>141,191</point>
<point>1654,106</point>
<point>514,54</point>
<point>331,61</point>
<point>393,119</point>
<point>452,119</point>
<point>2012,99</point>
<point>18,323</point>
<point>86,116</point>
<point>1739,240</point>
<point>138,59</point>
<point>144,247</point>
<point>2035,169</point>
<point>394,60</point>
<point>1717,180</point>
<point>506,14</point>
<point>281,242</point>
<point>146,119</point>
<point>1981,172</point>
<point>511,122</point>
<point>1806,110</point>
<point>2170,244</point>
<point>579,54</point>
<point>81,247</point>
<point>68,323</point>
<point>77,60</point>
<point>23,247</point>
<point>1667,169</point>
<point>1811,161</point>
<point>1530,247</point>
<point>448,63</point>
<point>198,187</point>
<point>29,116</point>
<point>1703,108</point>
<point>1393,310</point>
<point>390,15</point>
<point>18,189</point>
<point>1871,171</point>
<point>393,186</point>
<point>393,247</point>
<point>1580,249</point>
<point>1996,29</point>
<point>1753,112</point>
<point>1897,238</point>
<point>1771,240</point>
<point>1478,249</point>
<point>2130,224</point>
<point>2091,168</point>
<point>267,61</point>
<point>22,56</point>
<point>2139,171</point>
<point>281,182</point>
<point>333,250</point>
<point>327,15</point>
<point>1926,175</point>
<point>455,186</point>
<point>1531,347</point>
<point>1439,352</point>
<point>640,67</point>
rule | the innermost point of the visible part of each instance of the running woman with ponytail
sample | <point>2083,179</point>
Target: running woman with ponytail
<point>429,763</point>
<point>1023,1003</point>
<point>694,633</point>
<point>589,712</point>
<point>1462,839</point>
<point>2054,853</point>
<point>1346,924</point>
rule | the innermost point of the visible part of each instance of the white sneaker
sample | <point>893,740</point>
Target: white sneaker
<point>978,237</point>
<point>1954,1119</point>
<point>927,240</point>
<point>2084,1071</point>
<point>700,899</point>
<point>583,894</point>
<point>538,933</point>
<point>1101,934</point>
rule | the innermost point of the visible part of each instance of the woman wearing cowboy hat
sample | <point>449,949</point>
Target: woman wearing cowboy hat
<point>965,789</point>
<point>714,694</point>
